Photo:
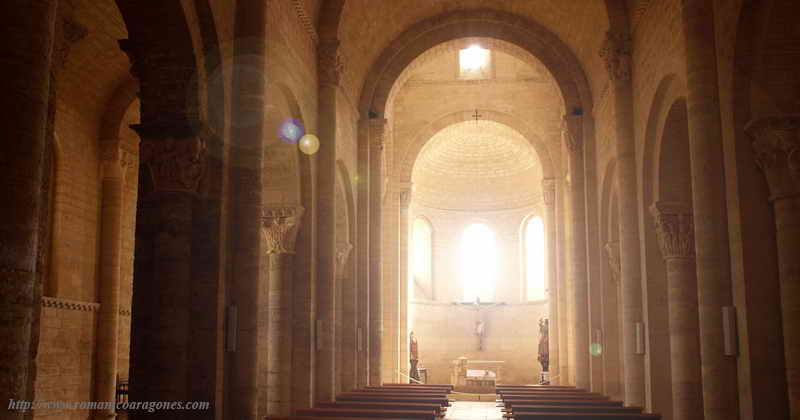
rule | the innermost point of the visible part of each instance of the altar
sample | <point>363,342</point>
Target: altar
<point>476,376</point>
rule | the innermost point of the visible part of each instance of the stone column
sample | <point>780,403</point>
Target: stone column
<point>330,65</point>
<point>362,261</point>
<point>115,161</point>
<point>675,232</point>
<point>402,280</point>
<point>173,162</point>
<point>347,333</point>
<point>246,202</point>
<point>377,131</point>
<point>616,52</point>
<point>563,249</point>
<point>573,136</point>
<point>777,147</point>
<point>549,198</point>
<point>710,211</point>
<point>27,38</point>
<point>612,366</point>
<point>280,226</point>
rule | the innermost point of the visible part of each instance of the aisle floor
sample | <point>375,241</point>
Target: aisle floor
<point>474,410</point>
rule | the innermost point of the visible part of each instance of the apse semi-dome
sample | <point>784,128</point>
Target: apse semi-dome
<point>477,165</point>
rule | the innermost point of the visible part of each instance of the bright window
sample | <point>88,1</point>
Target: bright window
<point>535,259</point>
<point>473,63</point>
<point>478,263</point>
<point>421,257</point>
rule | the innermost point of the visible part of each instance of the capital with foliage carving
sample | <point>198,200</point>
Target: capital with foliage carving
<point>571,130</point>
<point>174,154</point>
<point>612,253</point>
<point>549,191</point>
<point>280,226</point>
<point>674,228</point>
<point>330,62</point>
<point>616,53</point>
<point>776,141</point>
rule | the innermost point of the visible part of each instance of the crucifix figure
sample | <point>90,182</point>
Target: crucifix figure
<point>476,116</point>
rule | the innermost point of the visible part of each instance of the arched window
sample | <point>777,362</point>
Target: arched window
<point>478,263</point>
<point>535,259</point>
<point>421,260</point>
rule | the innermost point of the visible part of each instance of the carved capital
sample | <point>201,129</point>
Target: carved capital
<point>175,155</point>
<point>330,63</point>
<point>572,131</point>
<point>377,133</point>
<point>616,53</point>
<point>675,229</point>
<point>404,194</point>
<point>612,253</point>
<point>342,254</point>
<point>776,141</point>
<point>549,191</point>
<point>280,226</point>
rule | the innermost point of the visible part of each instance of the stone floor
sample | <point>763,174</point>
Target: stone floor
<point>474,410</point>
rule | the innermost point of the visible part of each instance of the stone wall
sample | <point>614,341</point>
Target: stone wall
<point>66,355</point>
<point>446,331</point>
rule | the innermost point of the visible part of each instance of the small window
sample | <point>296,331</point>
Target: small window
<point>474,63</point>
<point>535,259</point>
<point>478,263</point>
<point>421,257</point>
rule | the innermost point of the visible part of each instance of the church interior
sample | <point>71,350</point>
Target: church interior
<point>400,209</point>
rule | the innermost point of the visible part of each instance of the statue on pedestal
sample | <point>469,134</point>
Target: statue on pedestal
<point>413,372</point>
<point>480,331</point>
<point>544,345</point>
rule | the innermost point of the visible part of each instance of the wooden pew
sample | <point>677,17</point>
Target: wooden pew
<point>510,404</point>
<point>405,390</point>
<point>411,388</point>
<point>442,401</point>
<point>397,394</point>
<point>551,396</point>
<point>383,405</point>
<point>584,416</point>
<point>560,394</point>
<point>377,414</point>
<point>443,386</point>
<point>519,409</point>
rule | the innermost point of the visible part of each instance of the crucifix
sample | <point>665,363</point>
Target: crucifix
<point>476,116</point>
<point>480,322</point>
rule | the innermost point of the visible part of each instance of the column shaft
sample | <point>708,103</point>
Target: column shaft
<point>348,360</point>
<point>108,317</point>
<point>720,385</point>
<point>279,348</point>
<point>578,274</point>
<point>25,50</point>
<point>404,244</point>
<point>787,220</point>
<point>777,146</point>
<point>563,328</point>
<point>676,238</point>
<point>549,188</point>
<point>376,132</point>
<point>326,236</point>
<point>617,51</point>
<point>362,256</point>
<point>249,86</point>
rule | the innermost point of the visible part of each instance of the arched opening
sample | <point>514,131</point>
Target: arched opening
<point>421,279</point>
<point>478,263</point>
<point>535,259</point>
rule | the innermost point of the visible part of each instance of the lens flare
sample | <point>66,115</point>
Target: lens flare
<point>291,131</point>
<point>309,144</point>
